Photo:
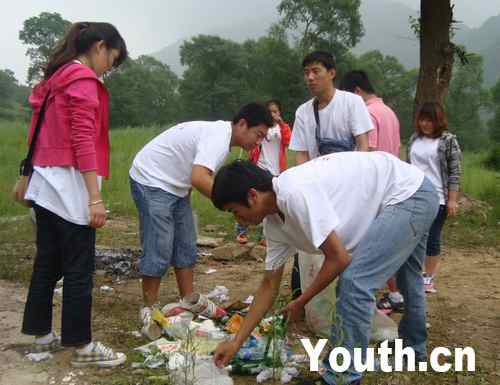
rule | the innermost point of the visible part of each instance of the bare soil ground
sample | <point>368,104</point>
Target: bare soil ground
<point>464,312</point>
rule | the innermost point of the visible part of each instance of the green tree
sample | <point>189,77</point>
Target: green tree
<point>41,33</point>
<point>494,124</point>
<point>143,92</point>
<point>8,85</point>
<point>213,85</point>
<point>333,25</point>
<point>274,72</point>
<point>466,99</point>
<point>13,97</point>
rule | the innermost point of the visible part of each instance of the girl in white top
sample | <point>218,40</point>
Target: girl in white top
<point>270,155</point>
<point>436,152</point>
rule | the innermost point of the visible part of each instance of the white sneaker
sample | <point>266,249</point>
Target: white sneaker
<point>99,355</point>
<point>144,313</point>
<point>150,329</point>
<point>429,284</point>
<point>396,297</point>
<point>49,344</point>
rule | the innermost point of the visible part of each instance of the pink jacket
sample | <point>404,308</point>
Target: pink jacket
<point>74,131</point>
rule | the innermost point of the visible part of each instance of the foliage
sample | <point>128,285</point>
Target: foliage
<point>143,92</point>
<point>274,72</point>
<point>8,84</point>
<point>466,98</point>
<point>222,75</point>
<point>494,124</point>
<point>213,85</point>
<point>41,33</point>
<point>330,25</point>
<point>13,97</point>
<point>492,160</point>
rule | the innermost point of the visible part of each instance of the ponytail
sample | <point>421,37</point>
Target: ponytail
<point>79,39</point>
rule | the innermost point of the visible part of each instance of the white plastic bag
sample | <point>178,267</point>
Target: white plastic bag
<point>319,310</point>
<point>204,373</point>
<point>383,327</point>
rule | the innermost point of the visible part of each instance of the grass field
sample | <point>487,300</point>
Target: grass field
<point>477,182</point>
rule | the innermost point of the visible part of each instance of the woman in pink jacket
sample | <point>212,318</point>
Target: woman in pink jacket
<point>70,158</point>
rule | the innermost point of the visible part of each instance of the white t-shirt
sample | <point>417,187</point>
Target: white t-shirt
<point>346,115</point>
<point>167,161</point>
<point>269,158</point>
<point>62,191</point>
<point>424,155</point>
<point>342,192</point>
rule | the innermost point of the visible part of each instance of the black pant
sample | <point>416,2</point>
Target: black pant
<point>63,250</point>
<point>434,239</point>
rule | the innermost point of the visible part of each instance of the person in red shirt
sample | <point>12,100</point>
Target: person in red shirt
<point>71,155</point>
<point>270,155</point>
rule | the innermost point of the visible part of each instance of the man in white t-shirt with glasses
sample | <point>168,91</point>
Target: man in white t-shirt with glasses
<point>368,213</point>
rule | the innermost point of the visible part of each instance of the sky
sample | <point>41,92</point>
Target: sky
<point>150,25</point>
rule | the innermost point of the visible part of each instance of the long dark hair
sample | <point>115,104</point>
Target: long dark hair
<point>79,39</point>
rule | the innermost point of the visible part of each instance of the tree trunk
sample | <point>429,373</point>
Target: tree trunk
<point>436,51</point>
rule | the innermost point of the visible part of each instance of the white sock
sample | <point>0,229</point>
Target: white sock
<point>86,349</point>
<point>396,296</point>
<point>46,339</point>
<point>145,312</point>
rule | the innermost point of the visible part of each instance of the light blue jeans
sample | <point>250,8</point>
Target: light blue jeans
<point>393,245</point>
<point>167,230</point>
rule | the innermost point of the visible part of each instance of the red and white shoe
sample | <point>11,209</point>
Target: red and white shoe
<point>429,284</point>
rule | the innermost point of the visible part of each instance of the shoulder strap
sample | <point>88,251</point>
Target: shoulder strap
<point>316,117</point>
<point>27,164</point>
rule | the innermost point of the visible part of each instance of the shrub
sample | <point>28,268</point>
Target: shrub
<point>493,158</point>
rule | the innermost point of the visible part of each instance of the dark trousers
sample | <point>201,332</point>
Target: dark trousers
<point>434,239</point>
<point>63,250</point>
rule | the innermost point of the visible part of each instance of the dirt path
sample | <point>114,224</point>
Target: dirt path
<point>465,311</point>
<point>14,370</point>
<point>466,308</point>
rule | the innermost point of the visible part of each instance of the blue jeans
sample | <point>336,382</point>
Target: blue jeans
<point>393,245</point>
<point>167,230</point>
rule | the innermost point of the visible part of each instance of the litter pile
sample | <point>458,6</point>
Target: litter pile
<point>119,263</point>
<point>185,335</point>
<point>123,263</point>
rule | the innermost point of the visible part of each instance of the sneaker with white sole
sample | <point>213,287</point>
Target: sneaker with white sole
<point>100,356</point>
<point>50,347</point>
<point>429,284</point>
<point>150,328</point>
